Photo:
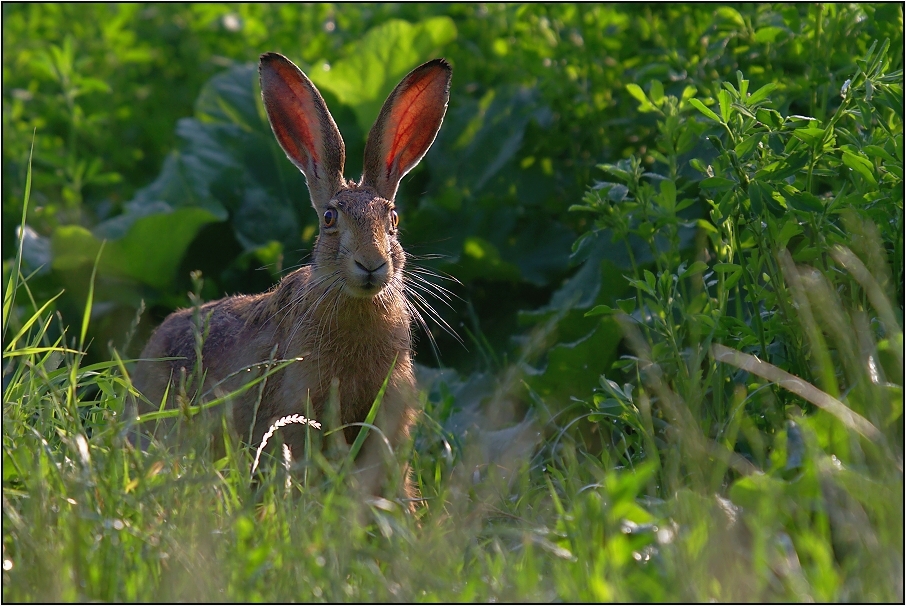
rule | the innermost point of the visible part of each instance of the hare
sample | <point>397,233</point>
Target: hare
<point>345,317</point>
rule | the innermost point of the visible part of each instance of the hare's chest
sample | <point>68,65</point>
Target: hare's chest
<point>358,371</point>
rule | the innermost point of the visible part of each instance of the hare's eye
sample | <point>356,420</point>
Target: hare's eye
<point>330,217</point>
<point>394,218</point>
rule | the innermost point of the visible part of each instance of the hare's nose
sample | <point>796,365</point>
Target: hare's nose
<point>370,270</point>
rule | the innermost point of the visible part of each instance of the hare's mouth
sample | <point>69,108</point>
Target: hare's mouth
<point>365,289</point>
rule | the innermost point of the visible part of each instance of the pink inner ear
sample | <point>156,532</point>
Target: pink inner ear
<point>290,108</point>
<point>413,123</point>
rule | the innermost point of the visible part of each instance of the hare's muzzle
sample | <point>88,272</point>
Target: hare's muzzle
<point>367,276</point>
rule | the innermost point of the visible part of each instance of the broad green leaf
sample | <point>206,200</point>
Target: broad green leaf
<point>141,253</point>
<point>616,170</point>
<point>576,366</point>
<point>373,65</point>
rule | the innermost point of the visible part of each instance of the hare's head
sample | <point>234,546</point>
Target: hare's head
<point>357,248</point>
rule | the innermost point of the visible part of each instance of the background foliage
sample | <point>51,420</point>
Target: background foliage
<point>616,189</point>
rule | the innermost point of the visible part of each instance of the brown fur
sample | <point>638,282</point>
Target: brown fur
<point>346,315</point>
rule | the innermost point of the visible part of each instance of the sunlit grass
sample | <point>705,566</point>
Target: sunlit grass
<point>89,517</point>
<point>722,470</point>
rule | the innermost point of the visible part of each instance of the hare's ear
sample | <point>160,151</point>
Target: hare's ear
<point>406,126</point>
<point>303,126</point>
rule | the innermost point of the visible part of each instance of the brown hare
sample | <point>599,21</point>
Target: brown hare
<point>346,315</point>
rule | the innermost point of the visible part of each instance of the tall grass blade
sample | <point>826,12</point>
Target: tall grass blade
<point>801,388</point>
<point>13,285</point>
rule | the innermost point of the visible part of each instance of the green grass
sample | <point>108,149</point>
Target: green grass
<point>708,406</point>
<point>530,512</point>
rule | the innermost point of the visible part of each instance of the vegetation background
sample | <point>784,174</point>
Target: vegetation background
<point>649,214</point>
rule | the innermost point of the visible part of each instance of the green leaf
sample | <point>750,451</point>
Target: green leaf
<point>730,16</point>
<point>616,171</point>
<point>759,194</point>
<point>650,280</point>
<point>627,306</point>
<point>803,201</point>
<point>747,145</point>
<point>861,165</point>
<point>723,268</point>
<point>656,90</point>
<point>756,197</point>
<point>704,110</point>
<point>89,300</point>
<point>769,117</point>
<point>141,254</point>
<point>780,170</point>
<point>636,91</point>
<point>876,151</point>
<point>812,136</point>
<point>757,492</point>
<point>790,228</point>
<point>575,367</point>
<point>725,101</point>
<point>600,310</point>
<point>743,85</point>
<point>733,278</point>
<point>767,35</point>
<point>667,199</point>
<point>718,183</point>
<point>797,121</point>
<point>696,268</point>
<point>707,226</point>
<point>762,93</point>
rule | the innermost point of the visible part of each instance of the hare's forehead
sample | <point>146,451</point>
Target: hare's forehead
<point>362,202</point>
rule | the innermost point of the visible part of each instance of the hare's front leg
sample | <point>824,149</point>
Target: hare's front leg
<point>376,461</point>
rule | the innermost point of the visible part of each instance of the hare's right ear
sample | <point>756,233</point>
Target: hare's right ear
<point>406,126</point>
<point>303,126</point>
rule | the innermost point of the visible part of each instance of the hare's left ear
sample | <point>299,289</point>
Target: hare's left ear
<point>303,126</point>
<point>406,126</point>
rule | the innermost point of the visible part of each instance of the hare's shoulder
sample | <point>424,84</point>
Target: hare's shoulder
<point>218,323</point>
<point>279,302</point>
